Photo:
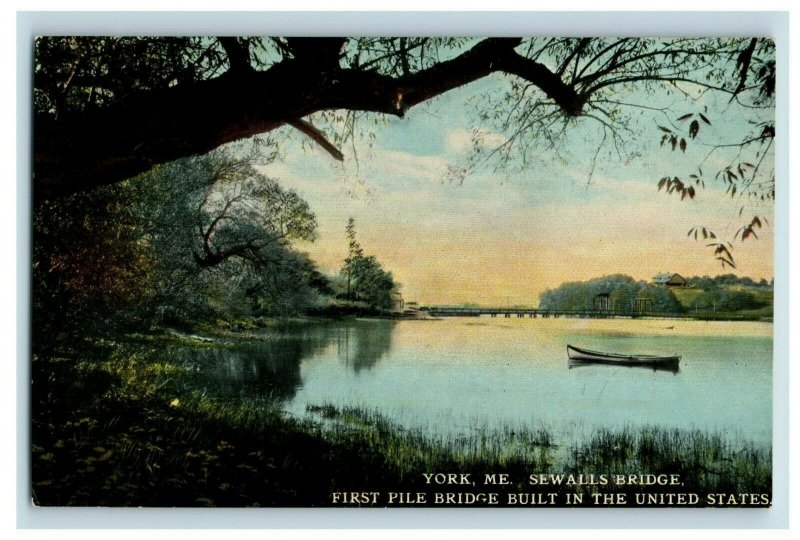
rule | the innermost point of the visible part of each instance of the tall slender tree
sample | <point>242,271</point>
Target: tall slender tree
<point>354,255</point>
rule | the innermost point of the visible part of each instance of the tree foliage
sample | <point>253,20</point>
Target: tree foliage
<point>365,280</point>
<point>196,239</point>
<point>623,292</point>
<point>729,292</point>
<point>708,282</point>
<point>222,226</point>
<point>89,264</point>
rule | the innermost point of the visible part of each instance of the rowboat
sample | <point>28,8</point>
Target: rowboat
<point>646,360</point>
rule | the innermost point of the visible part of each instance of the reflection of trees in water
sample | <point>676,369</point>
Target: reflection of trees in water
<point>362,344</point>
<point>271,368</point>
<point>263,369</point>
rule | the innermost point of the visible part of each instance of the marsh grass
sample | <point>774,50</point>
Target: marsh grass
<point>120,425</point>
<point>706,462</point>
<point>410,451</point>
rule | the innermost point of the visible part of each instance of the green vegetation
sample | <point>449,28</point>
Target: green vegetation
<point>196,241</point>
<point>623,291</point>
<point>731,280</point>
<point>116,424</point>
<point>365,282</point>
<point>202,244</point>
<point>721,297</point>
<point>124,429</point>
<point>726,297</point>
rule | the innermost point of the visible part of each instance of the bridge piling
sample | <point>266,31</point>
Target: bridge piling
<point>534,313</point>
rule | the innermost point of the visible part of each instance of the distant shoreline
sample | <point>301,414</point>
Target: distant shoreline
<point>672,317</point>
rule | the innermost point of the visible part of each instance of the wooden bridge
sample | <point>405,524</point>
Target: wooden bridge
<point>444,311</point>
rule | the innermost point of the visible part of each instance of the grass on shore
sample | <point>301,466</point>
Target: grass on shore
<point>706,462</point>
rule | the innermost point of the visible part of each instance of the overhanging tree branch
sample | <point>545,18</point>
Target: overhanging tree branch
<point>317,136</point>
<point>238,53</point>
<point>86,149</point>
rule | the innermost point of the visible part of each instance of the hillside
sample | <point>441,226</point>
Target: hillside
<point>720,297</point>
<point>726,301</point>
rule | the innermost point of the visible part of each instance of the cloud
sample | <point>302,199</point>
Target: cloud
<point>460,141</point>
<point>402,168</point>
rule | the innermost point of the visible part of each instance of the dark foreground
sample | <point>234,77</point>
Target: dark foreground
<point>114,424</point>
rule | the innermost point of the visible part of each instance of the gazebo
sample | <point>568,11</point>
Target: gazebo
<point>602,302</point>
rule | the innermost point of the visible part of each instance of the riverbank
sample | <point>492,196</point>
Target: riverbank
<point>226,332</point>
<point>119,423</point>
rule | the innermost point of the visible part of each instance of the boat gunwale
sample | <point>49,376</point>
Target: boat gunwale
<point>598,356</point>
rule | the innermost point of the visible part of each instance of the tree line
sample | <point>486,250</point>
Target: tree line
<point>724,293</point>
<point>711,282</point>
<point>623,292</point>
<point>198,239</point>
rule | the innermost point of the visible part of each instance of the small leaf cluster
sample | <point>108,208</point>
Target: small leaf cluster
<point>722,252</point>
<point>707,233</point>
<point>749,230</point>
<point>676,185</point>
<point>676,139</point>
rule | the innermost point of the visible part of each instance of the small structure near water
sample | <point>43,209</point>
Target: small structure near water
<point>602,302</point>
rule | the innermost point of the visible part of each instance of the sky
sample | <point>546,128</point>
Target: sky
<point>503,238</point>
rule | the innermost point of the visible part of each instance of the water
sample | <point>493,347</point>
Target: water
<point>456,376</point>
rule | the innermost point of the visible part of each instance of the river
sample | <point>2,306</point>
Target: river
<point>458,376</point>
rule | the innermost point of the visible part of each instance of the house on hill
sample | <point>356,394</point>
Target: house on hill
<point>669,280</point>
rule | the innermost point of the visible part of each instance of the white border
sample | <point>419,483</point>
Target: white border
<point>682,24</point>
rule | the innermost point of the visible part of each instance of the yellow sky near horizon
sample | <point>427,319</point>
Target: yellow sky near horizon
<point>505,237</point>
<point>476,244</point>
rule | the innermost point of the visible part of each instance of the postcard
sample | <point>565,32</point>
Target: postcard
<point>402,271</point>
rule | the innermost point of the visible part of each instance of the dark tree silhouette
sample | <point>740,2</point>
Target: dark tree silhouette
<point>108,108</point>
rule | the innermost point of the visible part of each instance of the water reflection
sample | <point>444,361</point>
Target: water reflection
<point>361,346</point>
<point>270,368</point>
<point>671,368</point>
